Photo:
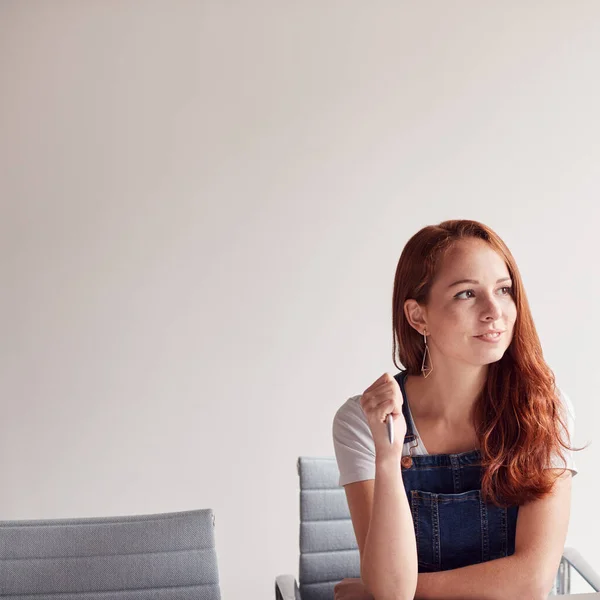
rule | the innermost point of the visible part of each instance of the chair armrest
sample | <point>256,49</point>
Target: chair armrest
<point>574,558</point>
<point>286,588</point>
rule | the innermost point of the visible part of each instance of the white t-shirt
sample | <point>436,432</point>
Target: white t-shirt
<point>355,449</point>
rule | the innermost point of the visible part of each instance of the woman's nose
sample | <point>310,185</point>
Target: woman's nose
<point>493,309</point>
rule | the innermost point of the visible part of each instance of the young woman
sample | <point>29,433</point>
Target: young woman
<point>472,498</point>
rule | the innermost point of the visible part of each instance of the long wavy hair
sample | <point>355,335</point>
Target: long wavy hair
<point>518,419</point>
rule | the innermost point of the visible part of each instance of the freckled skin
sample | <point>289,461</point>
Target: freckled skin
<point>489,305</point>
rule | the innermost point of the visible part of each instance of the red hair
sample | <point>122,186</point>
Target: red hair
<point>518,418</point>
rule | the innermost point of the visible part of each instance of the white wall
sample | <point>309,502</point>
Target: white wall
<point>203,204</point>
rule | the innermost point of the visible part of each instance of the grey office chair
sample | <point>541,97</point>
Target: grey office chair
<point>147,557</point>
<point>328,549</point>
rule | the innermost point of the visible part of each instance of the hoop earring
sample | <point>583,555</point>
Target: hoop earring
<point>426,370</point>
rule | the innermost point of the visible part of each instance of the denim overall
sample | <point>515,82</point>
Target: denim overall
<point>454,527</point>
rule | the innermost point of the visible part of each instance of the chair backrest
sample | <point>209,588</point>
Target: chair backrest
<point>328,548</point>
<point>159,557</point>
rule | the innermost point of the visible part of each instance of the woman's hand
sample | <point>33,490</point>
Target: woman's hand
<point>381,398</point>
<point>351,589</point>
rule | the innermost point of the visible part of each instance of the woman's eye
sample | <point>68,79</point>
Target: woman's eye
<point>464,292</point>
<point>506,287</point>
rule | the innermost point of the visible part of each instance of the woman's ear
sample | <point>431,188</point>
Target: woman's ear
<point>415,315</point>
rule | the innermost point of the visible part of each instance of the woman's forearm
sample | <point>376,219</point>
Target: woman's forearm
<point>389,562</point>
<point>499,579</point>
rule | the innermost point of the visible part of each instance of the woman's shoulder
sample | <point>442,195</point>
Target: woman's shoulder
<point>350,420</point>
<point>565,401</point>
<point>350,413</point>
<point>353,443</point>
<point>568,413</point>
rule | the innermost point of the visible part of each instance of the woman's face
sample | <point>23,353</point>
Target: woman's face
<point>457,313</point>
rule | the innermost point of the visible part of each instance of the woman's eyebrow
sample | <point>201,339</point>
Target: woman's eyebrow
<point>475,281</point>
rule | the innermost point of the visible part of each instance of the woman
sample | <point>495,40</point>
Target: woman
<point>472,498</point>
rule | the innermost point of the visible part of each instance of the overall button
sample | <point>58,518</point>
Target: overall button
<point>406,462</point>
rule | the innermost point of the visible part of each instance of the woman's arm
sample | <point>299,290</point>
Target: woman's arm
<point>384,532</point>
<point>389,565</point>
<point>504,578</point>
<point>379,507</point>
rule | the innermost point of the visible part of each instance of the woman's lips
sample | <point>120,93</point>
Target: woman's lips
<point>490,339</point>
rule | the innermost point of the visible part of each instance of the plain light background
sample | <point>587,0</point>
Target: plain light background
<point>203,206</point>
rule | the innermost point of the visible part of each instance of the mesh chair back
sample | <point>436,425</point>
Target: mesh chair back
<point>149,557</point>
<point>328,548</point>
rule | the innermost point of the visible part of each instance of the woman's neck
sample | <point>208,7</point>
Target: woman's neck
<point>447,396</point>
